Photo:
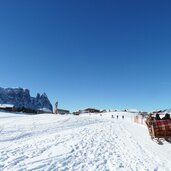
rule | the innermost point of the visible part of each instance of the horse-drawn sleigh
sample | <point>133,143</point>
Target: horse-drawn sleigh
<point>159,129</point>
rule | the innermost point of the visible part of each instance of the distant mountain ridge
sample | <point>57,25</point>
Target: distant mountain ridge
<point>20,97</point>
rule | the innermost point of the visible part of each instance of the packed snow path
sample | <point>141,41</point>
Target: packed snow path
<point>85,143</point>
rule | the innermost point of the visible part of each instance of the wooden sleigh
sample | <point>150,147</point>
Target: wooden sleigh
<point>159,129</point>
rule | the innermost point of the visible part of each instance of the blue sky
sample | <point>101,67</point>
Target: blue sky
<point>103,54</point>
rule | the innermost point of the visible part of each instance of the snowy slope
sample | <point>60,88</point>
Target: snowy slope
<point>86,142</point>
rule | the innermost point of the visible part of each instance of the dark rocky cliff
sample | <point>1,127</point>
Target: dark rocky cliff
<point>20,97</point>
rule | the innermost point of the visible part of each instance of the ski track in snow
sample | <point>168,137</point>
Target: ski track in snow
<point>78,143</point>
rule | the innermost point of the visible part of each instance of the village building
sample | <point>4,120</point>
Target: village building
<point>43,110</point>
<point>89,110</point>
<point>144,114</point>
<point>60,111</point>
<point>7,107</point>
<point>63,111</point>
<point>76,113</point>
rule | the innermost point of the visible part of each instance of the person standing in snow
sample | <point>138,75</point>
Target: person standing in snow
<point>122,116</point>
<point>157,117</point>
<point>166,117</point>
<point>117,116</point>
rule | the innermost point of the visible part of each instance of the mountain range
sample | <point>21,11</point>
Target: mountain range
<point>20,97</point>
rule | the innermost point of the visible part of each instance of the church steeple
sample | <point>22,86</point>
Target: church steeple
<point>56,107</point>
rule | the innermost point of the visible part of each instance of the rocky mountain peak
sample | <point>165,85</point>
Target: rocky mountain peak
<point>20,97</point>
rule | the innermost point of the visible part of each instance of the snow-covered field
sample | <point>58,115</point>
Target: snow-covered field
<point>79,143</point>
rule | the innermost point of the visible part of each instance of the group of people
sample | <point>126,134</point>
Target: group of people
<point>150,119</point>
<point>166,117</point>
<point>118,116</point>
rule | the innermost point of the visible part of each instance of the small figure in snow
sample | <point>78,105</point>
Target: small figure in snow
<point>157,117</point>
<point>117,116</point>
<point>166,117</point>
<point>112,116</point>
<point>122,116</point>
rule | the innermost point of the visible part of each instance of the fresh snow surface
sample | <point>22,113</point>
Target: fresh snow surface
<point>79,143</point>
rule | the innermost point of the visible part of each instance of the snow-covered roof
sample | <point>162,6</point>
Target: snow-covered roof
<point>45,110</point>
<point>6,106</point>
<point>133,110</point>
